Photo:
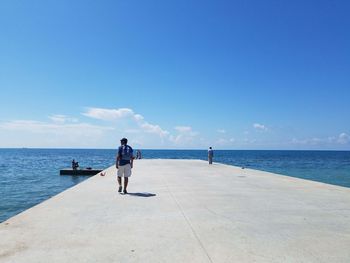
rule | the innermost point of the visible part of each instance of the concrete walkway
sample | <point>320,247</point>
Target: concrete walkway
<point>185,211</point>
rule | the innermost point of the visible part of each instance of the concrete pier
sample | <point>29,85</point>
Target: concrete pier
<point>185,211</point>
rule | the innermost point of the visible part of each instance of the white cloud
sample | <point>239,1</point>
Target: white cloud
<point>249,141</point>
<point>298,141</point>
<point>126,113</point>
<point>64,131</point>
<point>138,117</point>
<point>183,129</point>
<point>53,128</point>
<point>331,139</point>
<point>343,138</point>
<point>309,141</point>
<point>181,139</point>
<point>221,142</point>
<point>156,129</point>
<point>58,118</point>
<point>185,135</point>
<point>133,131</point>
<point>260,127</point>
<point>109,114</point>
<point>136,143</point>
<point>225,142</point>
<point>221,131</point>
<point>186,130</point>
<point>31,133</point>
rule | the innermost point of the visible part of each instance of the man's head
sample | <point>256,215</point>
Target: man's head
<point>124,141</point>
<point>210,148</point>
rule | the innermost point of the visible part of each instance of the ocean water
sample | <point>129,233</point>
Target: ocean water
<point>30,176</point>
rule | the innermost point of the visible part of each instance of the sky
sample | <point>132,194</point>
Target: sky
<point>184,74</point>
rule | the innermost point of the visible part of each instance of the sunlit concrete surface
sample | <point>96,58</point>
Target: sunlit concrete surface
<point>185,211</point>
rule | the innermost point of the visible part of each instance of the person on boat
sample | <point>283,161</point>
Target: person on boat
<point>75,165</point>
<point>124,164</point>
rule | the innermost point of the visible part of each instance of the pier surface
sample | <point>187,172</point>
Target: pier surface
<point>185,211</point>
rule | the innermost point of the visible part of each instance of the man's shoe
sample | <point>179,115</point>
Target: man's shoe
<point>119,189</point>
<point>125,192</point>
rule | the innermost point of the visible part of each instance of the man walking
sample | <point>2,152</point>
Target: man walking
<point>124,164</point>
<point>210,155</point>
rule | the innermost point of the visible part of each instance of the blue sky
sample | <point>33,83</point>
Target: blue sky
<point>175,74</point>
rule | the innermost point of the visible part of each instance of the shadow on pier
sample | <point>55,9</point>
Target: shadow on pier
<point>142,194</point>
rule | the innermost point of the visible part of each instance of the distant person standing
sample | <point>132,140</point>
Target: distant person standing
<point>210,155</point>
<point>124,164</point>
<point>138,154</point>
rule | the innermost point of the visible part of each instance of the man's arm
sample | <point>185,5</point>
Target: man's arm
<point>132,161</point>
<point>117,158</point>
<point>132,158</point>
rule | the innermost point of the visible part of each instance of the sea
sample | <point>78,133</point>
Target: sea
<point>30,176</point>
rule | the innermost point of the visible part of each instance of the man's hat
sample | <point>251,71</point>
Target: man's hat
<point>124,140</point>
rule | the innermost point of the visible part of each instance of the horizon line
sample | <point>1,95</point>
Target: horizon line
<point>169,149</point>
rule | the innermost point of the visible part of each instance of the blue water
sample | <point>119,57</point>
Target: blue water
<point>30,176</point>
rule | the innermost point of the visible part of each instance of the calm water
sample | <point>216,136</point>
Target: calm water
<point>30,176</point>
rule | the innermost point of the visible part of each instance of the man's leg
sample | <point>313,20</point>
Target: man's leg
<point>127,173</point>
<point>126,181</point>
<point>120,184</point>
<point>120,173</point>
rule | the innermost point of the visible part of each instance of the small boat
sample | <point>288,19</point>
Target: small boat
<point>84,171</point>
